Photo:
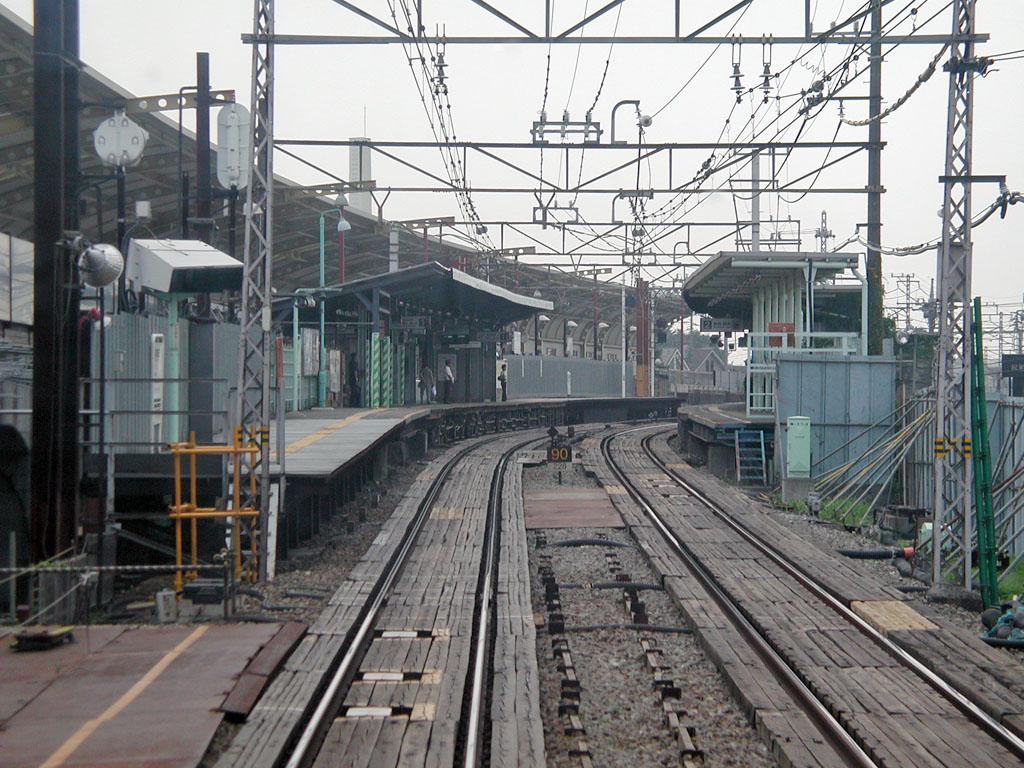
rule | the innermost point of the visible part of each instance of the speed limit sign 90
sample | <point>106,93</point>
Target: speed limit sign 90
<point>559,453</point>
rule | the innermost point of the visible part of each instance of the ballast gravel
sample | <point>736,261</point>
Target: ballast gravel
<point>620,708</point>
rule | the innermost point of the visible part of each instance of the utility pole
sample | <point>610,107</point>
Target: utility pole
<point>952,465</point>
<point>873,265</point>
<point>55,413</point>
<point>904,282</point>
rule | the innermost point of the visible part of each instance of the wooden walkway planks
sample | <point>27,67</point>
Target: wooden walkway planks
<point>292,693</point>
<point>517,734</point>
<point>854,679</point>
<point>976,670</point>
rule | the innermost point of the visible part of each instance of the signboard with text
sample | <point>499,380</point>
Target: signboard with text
<point>1013,366</point>
<point>560,453</point>
<point>720,324</point>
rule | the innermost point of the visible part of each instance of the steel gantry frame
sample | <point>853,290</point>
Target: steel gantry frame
<point>952,465</point>
<point>550,36</point>
<point>252,402</point>
<point>954,261</point>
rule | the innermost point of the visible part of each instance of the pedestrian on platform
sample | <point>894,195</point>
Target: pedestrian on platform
<point>354,382</point>
<point>428,387</point>
<point>449,380</point>
<point>503,378</point>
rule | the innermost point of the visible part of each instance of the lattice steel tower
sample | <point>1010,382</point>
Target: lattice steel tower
<point>254,342</point>
<point>952,475</point>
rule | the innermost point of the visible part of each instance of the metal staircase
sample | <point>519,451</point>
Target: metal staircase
<point>751,465</point>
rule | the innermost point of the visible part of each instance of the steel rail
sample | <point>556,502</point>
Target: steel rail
<point>830,727</point>
<point>300,753</point>
<point>482,627</point>
<point>967,707</point>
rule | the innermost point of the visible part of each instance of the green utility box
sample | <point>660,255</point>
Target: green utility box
<point>798,446</point>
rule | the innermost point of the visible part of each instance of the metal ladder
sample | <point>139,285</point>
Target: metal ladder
<point>750,458</point>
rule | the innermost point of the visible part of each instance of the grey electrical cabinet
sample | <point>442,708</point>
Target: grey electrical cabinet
<point>798,446</point>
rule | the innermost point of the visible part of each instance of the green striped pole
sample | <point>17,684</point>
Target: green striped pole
<point>400,378</point>
<point>375,370</point>
<point>387,387</point>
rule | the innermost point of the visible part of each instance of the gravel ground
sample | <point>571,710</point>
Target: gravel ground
<point>620,709</point>
<point>547,475</point>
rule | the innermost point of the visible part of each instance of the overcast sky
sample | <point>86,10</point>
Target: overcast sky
<point>496,93</point>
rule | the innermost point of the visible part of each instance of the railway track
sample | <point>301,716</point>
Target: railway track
<point>412,673</point>
<point>871,703</point>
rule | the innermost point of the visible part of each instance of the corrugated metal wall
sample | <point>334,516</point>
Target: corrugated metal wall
<point>843,395</point>
<point>307,384</point>
<point>129,345</point>
<point>545,376</point>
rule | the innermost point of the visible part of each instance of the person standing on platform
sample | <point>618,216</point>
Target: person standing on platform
<point>427,384</point>
<point>355,391</point>
<point>503,378</point>
<point>449,380</point>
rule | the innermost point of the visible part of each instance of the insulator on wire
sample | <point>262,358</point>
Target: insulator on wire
<point>737,84</point>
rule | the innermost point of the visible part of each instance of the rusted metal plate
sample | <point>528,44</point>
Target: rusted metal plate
<point>569,508</point>
<point>255,677</point>
<point>274,652</point>
<point>144,696</point>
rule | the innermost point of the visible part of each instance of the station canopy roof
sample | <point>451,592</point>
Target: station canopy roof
<point>430,288</point>
<point>724,286</point>
<point>297,208</point>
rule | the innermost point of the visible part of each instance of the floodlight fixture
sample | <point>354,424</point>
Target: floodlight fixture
<point>100,265</point>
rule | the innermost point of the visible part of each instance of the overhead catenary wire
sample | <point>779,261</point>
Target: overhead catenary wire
<point>444,129</point>
<point>728,160</point>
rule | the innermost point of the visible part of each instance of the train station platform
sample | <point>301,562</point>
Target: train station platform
<point>330,454</point>
<point>125,695</point>
<point>321,442</point>
<point>709,435</point>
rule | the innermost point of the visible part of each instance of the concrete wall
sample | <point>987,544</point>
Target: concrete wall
<point>843,395</point>
<point>545,376</point>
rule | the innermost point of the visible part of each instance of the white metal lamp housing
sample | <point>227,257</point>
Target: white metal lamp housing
<point>100,265</point>
<point>119,141</point>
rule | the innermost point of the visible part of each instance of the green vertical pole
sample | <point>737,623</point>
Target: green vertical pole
<point>387,385</point>
<point>400,375</point>
<point>987,576</point>
<point>375,370</point>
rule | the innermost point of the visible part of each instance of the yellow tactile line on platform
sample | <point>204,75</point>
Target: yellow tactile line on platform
<point>321,433</point>
<point>89,726</point>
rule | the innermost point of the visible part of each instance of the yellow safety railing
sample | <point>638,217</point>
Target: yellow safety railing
<point>245,446</point>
